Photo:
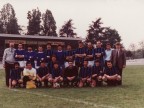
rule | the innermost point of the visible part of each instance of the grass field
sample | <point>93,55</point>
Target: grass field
<point>130,95</point>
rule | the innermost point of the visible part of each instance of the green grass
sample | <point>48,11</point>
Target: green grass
<point>130,95</point>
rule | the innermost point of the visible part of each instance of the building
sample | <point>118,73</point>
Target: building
<point>35,41</point>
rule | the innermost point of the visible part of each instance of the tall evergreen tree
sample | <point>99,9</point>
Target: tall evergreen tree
<point>8,20</point>
<point>67,30</point>
<point>95,31</point>
<point>111,35</point>
<point>34,18</point>
<point>49,24</point>
<point>105,34</point>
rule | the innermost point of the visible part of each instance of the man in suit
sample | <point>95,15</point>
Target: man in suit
<point>118,58</point>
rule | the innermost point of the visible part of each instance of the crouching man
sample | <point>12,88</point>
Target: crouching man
<point>29,74</point>
<point>71,75</point>
<point>16,76</point>
<point>43,74</point>
<point>111,75</point>
<point>97,73</point>
<point>85,75</point>
<point>56,76</point>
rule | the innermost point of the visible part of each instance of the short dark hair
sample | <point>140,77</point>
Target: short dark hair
<point>97,61</point>
<point>16,63</point>
<point>48,44</point>
<point>28,63</point>
<point>109,61</point>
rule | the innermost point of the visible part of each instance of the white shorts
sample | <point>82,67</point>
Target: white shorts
<point>22,63</point>
<point>90,63</point>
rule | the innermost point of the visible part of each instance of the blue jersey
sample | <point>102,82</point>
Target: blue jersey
<point>56,72</point>
<point>85,72</point>
<point>99,50</point>
<point>49,54</point>
<point>30,56</point>
<point>90,52</point>
<point>69,53</point>
<point>19,52</point>
<point>97,70</point>
<point>40,56</point>
<point>110,71</point>
<point>80,51</point>
<point>16,74</point>
<point>60,55</point>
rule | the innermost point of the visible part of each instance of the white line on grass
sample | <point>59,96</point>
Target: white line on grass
<point>62,98</point>
<point>65,99</point>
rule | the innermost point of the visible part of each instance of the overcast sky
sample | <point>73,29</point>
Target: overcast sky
<point>126,16</point>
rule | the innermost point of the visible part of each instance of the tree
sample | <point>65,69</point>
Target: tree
<point>132,48</point>
<point>49,24</point>
<point>105,34</point>
<point>129,54</point>
<point>8,22</point>
<point>96,31</point>
<point>34,18</point>
<point>141,43</point>
<point>111,35</point>
<point>67,30</point>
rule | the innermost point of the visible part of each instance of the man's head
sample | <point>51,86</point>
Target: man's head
<point>40,49</point>
<point>20,46</point>
<point>97,63</point>
<point>29,48</point>
<point>80,44</point>
<point>109,64</point>
<point>53,58</point>
<point>28,65</point>
<point>59,47</point>
<point>42,64</point>
<point>16,65</point>
<point>70,63</point>
<point>89,45</point>
<point>118,45</point>
<point>11,44</point>
<point>48,46</point>
<point>108,46</point>
<point>69,47</point>
<point>56,65</point>
<point>85,63</point>
<point>98,44</point>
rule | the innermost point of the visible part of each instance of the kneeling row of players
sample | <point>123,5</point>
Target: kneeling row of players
<point>70,76</point>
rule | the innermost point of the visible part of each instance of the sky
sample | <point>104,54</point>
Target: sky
<point>126,16</point>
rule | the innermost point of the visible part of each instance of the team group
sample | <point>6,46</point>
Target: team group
<point>84,66</point>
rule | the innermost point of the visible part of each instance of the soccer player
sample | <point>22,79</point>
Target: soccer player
<point>40,56</point>
<point>29,73</point>
<point>111,75</point>
<point>69,55</point>
<point>71,75</point>
<point>30,56</point>
<point>49,52</point>
<point>20,55</point>
<point>89,54</point>
<point>99,52</point>
<point>51,64</point>
<point>60,56</point>
<point>80,54</point>
<point>42,74</point>
<point>97,74</point>
<point>85,75</point>
<point>57,76</point>
<point>16,76</point>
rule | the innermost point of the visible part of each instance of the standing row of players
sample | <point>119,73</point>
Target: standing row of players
<point>83,66</point>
